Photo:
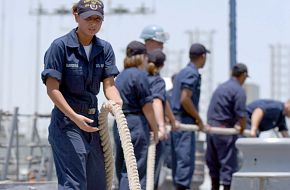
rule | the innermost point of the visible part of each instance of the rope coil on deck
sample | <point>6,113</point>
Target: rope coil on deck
<point>125,137</point>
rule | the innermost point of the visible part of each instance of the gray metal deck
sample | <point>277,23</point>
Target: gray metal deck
<point>8,185</point>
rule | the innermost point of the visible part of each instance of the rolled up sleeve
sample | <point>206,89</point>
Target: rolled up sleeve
<point>190,81</point>
<point>110,69</point>
<point>53,62</point>
<point>144,90</point>
<point>240,104</point>
<point>158,89</point>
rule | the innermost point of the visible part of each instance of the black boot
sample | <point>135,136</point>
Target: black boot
<point>180,187</point>
<point>215,183</point>
<point>227,187</point>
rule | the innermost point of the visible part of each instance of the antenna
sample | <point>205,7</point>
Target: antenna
<point>39,12</point>
<point>2,58</point>
<point>142,9</point>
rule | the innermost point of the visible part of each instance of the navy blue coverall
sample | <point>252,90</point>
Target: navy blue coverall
<point>78,154</point>
<point>227,106</point>
<point>167,143</point>
<point>134,89</point>
<point>273,115</point>
<point>157,88</point>
<point>183,142</point>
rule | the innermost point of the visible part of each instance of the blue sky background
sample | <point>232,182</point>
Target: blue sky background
<point>259,24</point>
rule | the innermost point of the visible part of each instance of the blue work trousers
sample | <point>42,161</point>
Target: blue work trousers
<point>167,152</point>
<point>77,155</point>
<point>183,155</point>
<point>221,157</point>
<point>140,139</point>
<point>159,161</point>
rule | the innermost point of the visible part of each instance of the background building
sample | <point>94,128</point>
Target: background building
<point>280,69</point>
<point>252,92</point>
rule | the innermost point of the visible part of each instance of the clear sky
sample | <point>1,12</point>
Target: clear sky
<point>259,23</point>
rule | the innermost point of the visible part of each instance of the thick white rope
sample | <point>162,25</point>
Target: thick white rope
<point>184,127</point>
<point>107,147</point>
<point>150,164</point>
<point>215,130</point>
<point>125,137</point>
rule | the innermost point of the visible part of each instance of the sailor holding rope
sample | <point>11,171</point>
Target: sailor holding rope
<point>134,89</point>
<point>227,107</point>
<point>184,102</point>
<point>74,66</point>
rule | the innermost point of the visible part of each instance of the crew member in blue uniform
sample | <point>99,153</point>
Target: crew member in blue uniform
<point>156,59</point>
<point>184,102</point>
<point>264,115</point>
<point>134,89</point>
<point>154,37</point>
<point>227,107</point>
<point>74,66</point>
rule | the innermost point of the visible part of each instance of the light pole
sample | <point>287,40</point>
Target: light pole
<point>39,11</point>
<point>233,34</point>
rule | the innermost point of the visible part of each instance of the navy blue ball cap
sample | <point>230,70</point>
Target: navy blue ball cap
<point>157,57</point>
<point>87,8</point>
<point>239,69</point>
<point>135,48</point>
<point>197,49</point>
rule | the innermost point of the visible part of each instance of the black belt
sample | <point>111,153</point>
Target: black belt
<point>90,111</point>
<point>133,113</point>
<point>181,114</point>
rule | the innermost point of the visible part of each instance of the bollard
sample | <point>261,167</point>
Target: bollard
<point>265,164</point>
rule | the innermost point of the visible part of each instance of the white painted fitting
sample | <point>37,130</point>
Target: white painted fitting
<point>265,164</point>
<point>264,155</point>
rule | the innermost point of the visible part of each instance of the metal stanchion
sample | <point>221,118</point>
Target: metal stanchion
<point>10,145</point>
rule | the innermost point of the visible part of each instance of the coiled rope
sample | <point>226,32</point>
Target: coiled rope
<point>125,137</point>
